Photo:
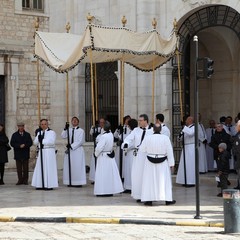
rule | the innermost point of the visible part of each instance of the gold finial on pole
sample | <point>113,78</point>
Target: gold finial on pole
<point>154,23</point>
<point>36,24</point>
<point>68,26</point>
<point>124,21</point>
<point>89,18</point>
<point>175,24</point>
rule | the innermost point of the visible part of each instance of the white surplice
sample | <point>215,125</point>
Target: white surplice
<point>107,178</point>
<point>48,160</point>
<point>77,158</point>
<point>157,181</point>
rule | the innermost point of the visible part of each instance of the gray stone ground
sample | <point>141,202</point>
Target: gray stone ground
<point>73,231</point>
<point>25,201</point>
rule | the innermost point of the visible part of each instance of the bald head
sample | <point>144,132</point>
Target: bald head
<point>189,120</point>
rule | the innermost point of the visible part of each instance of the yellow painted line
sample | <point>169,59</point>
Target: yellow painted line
<point>212,224</point>
<point>93,220</point>
<point>192,223</point>
<point>200,224</point>
<point>6,219</point>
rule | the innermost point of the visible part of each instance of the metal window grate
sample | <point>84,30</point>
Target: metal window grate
<point>33,5</point>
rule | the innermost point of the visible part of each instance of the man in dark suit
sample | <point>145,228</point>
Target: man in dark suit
<point>21,142</point>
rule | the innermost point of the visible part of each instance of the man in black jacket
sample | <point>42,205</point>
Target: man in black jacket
<point>223,166</point>
<point>220,136</point>
<point>21,142</point>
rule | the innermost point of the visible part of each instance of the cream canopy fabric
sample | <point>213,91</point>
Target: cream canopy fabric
<point>145,51</point>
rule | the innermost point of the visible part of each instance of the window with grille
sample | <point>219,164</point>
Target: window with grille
<point>33,5</point>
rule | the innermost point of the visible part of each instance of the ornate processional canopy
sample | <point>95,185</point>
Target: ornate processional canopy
<point>63,51</point>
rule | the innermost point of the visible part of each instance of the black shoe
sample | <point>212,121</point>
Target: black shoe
<point>127,191</point>
<point>48,189</point>
<point>138,200</point>
<point>148,203</point>
<point>219,195</point>
<point>1,182</point>
<point>105,195</point>
<point>76,186</point>
<point>188,185</point>
<point>19,183</point>
<point>92,183</point>
<point>170,202</point>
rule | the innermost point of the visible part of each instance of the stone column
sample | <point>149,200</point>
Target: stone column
<point>163,99</point>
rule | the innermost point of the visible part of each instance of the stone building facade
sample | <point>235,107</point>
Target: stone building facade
<point>216,22</point>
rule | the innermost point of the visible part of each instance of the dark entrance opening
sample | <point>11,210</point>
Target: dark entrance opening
<point>107,88</point>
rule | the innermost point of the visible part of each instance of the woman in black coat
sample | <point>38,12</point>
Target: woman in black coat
<point>3,152</point>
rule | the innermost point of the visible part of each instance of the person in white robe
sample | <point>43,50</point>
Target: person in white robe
<point>164,129</point>
<point>96,132</point>
<point>107,177</point>
<point>77,155</point>
<point>202,139</point>
<point>45,140</point>
<point>209,151</point>
<point>187,164</point>
<point>120,134</point>
<point>128,157</point>
<point>158,165</point>
<point>134,139</point>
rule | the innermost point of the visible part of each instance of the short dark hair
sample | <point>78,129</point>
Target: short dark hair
<point>144,116</point>
<point>125,118</point>
<point>43,119</point>
<point>160,117</point>
<point>3,130</point>
<point>107,126</point>
<point>75,118</point>
<point>132,123</point>
<point>157,128</point>
<point>222,119</point>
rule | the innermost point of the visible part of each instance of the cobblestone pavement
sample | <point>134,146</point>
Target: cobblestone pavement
<point>68,231</point>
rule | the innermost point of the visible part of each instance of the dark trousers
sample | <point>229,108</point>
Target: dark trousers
<point>223,181</point>
<point>2,166</point>
<point>238,177</point>
<point>22,171</point>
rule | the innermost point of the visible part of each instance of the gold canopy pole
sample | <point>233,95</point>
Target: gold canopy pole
<point>96,89</point>
<point>122,93</point>
<point>124,21</point>
<point>92,88</point>
<point>38,75</point>
<point>154,24</point>
<point>153,92</point>
<point>179,73</point>
<point>67,82</point>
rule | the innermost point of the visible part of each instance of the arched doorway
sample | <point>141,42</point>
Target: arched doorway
<point>218,31</point>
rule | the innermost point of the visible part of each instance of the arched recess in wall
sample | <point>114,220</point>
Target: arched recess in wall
<point>218,29</point>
